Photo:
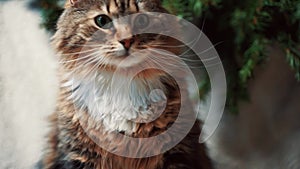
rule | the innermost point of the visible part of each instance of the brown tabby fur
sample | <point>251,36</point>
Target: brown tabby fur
<point>70,147</point>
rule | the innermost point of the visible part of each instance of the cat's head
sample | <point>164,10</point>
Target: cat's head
<point>100,34</point>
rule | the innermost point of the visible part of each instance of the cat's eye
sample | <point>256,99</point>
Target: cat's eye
<point>141,21</point>
<point>103,21</point>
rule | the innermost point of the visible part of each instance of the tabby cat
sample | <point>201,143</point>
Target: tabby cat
<point>91,46</point>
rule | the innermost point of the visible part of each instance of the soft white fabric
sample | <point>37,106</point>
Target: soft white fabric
<point>27,86</point>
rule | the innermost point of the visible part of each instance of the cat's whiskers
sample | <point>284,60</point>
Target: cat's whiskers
<point>85,64</point>
<point>164,45</point>
<point>163,64</point>
<point>184,59</point>
<point>80,58</point>
<point>191,45</point>
<point>95,52</point>
<point>192,42</point>
<point>99,63</point>
<point>92,59</point>
<point>87,44</point>
<point>74,53</point>
<point>204,51</point>
<point>159,60</point>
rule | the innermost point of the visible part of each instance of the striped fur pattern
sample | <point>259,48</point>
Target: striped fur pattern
<point>86,59</point>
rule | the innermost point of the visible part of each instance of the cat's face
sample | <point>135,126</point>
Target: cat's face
<point>100,34</point>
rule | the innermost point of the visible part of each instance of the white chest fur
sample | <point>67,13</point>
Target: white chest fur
<point>116,101</point>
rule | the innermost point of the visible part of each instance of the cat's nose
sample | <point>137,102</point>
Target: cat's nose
<point>127,43</point>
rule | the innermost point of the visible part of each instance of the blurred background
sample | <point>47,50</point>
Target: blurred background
<point>258,42</point>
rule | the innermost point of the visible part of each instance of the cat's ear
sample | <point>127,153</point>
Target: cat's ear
<point>70,3</point>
